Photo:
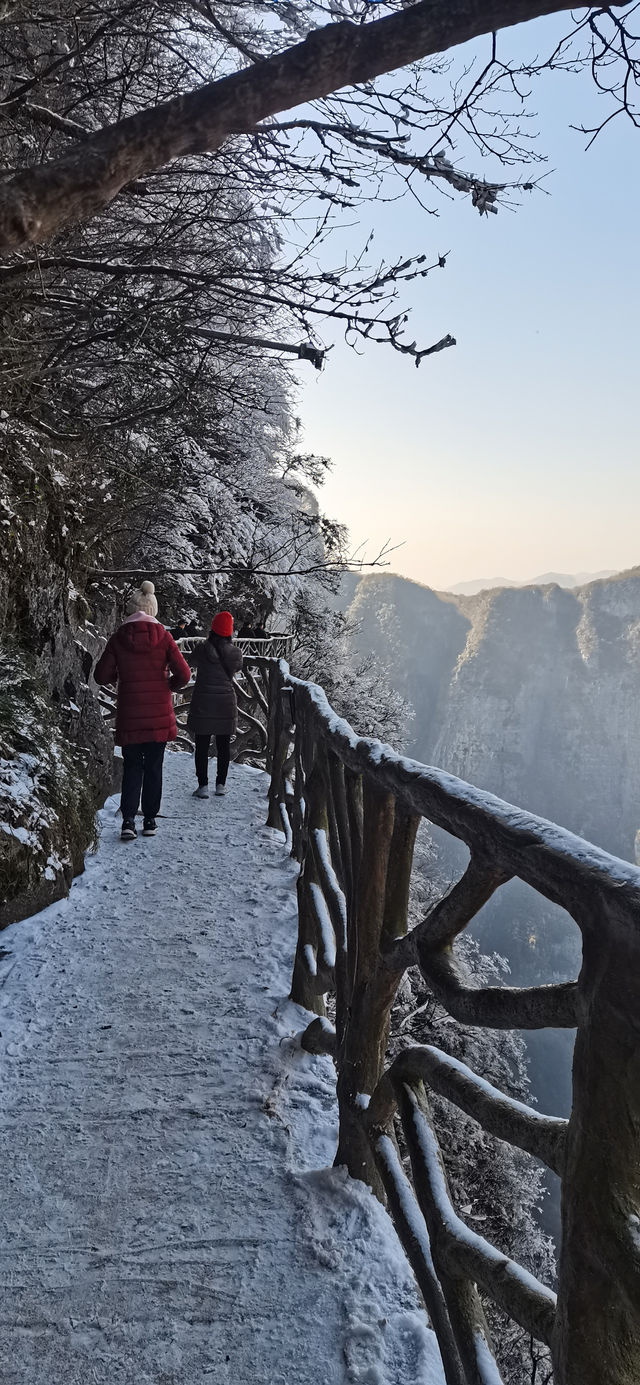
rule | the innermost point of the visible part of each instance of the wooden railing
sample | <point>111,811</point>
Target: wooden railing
<point>350,808</point>
<point>272,647</point>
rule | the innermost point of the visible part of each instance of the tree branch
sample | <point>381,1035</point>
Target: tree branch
<point>449,916</point>
<point>36,202</point>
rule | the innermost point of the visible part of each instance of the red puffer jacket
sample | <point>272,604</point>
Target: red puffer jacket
<point>144,660</point>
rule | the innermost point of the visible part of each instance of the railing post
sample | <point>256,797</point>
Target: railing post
<point>598,1324</point>
<point>371,988</point>
<point>299,800</point>
<point>280,738</point>
<point>274,685</point>
<point>303,990</point>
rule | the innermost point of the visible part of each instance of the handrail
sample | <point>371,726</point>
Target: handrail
<point>271,647</point>
<point>351,808</point>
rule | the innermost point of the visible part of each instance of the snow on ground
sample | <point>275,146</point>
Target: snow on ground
<point>170,1215</point>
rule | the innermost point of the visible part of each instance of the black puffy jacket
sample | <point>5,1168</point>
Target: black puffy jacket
<point>214,706</point>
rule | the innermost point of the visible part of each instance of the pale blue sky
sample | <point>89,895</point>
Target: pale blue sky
<point>516,451</point>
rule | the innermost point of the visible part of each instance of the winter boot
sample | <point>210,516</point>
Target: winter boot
<point>149,827</point>
<point>202,791</point>
<point>128,833</point>
<point>220,790</point>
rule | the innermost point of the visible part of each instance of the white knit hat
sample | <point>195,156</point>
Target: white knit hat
<point>143,600</point>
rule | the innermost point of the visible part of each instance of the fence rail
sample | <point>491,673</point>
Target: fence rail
<point>272,647</point>
<point>350,808</point>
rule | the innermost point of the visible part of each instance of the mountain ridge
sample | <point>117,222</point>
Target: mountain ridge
<point>529,692</point>
<point>545,579</point>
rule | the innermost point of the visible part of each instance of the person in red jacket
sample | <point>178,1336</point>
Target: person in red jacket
<point>145,662</point>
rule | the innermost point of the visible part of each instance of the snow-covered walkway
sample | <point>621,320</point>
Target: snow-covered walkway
<point>162,1222</point>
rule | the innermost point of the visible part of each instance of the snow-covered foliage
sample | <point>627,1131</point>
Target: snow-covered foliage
<point>46,803</point>
<point>358,686</point>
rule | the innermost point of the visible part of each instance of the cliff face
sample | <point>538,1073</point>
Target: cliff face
<point>532,693</point>
<point>420,634</point>
<point>56,756</point>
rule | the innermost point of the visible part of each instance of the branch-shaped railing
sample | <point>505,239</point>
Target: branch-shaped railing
<point>350,808</point>
<point>269,647</point>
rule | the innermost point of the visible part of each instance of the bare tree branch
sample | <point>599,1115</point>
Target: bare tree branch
<point>37,202</point>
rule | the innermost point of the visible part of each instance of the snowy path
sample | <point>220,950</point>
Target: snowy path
<point>161,1221</point>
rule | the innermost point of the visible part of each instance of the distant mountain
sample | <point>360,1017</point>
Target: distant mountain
<point>531,692</point>
<point>560,579</point>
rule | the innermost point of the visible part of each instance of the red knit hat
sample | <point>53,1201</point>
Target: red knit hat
<point>222,624</point>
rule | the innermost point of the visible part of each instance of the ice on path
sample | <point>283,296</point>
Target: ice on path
<point>166,1218</point>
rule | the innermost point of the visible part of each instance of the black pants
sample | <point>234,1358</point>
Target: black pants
<point>142,770</point>
<point>223,749</point>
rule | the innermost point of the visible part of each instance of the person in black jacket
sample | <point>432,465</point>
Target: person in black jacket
<point>214,705</point>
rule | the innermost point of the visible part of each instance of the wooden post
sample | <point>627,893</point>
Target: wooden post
<point>280,740</point>
<point>299,779</point>
<point>598,1323</point>
<point>303,990</point>
<point>363,1040</point>
<point>396,904</point>
<point>275,679</point>
<point>341,819</point>
<point>366,991</point>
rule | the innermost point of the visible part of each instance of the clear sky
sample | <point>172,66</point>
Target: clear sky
<point>516,451</point>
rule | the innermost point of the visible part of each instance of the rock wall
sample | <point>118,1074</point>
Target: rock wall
<point>532,693</point>
<point>56,755</point>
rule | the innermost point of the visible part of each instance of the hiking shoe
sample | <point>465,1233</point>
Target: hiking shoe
<point>149,827</point>
<point>202,791</point>
<point>128,833</point>
<point>220,790</point>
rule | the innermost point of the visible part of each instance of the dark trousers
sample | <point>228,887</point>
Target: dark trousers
<point>223,749</point>
<point>142,771</point>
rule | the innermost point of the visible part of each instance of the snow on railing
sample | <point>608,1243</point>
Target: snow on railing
<point>351,808</point>
<point>271,647</point>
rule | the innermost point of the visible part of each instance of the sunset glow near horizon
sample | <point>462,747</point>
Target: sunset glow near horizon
<point>516,451</point>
